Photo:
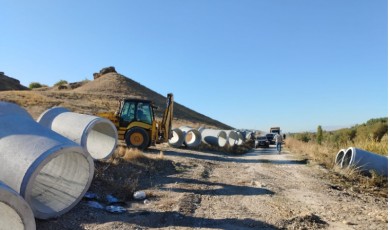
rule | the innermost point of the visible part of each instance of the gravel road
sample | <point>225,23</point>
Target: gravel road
<point>257,190</point>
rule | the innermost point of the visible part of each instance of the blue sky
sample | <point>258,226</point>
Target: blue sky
<point>247,63</point>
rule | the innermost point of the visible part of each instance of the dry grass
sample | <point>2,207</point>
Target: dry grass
<point>350,178</point>
<point>320,154</point>
<point>122,173</point>
<point>370,145</point>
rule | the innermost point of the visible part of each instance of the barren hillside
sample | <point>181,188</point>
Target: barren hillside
<point>102,95</point>
<point>9,83</point>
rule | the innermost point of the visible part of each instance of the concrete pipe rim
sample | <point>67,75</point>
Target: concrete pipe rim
<point>222,138</point>
<point>348,157</point>
<point>339,157</point>
<point>193,138</point>
<point>232,137</point>
<point>72,169</point>
<point>47,117</point>
<point>15,209</point>
<point>177,138</point>
<point>99,138</point>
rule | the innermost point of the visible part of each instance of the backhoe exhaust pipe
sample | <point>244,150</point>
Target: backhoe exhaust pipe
<point>15,212</point>
<point>213,137</point>
<point>48,170</point>
<point>192,137</point>
<point>365,161</point>
<point>177,138</point>
<point>98,136</point>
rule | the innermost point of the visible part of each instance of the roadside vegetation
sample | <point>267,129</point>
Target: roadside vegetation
<point>321,148</point>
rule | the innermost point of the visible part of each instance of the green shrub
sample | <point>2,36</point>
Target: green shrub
<point>35,85</point>
<point>61,82</point>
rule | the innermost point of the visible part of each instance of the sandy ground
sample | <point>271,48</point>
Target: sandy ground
<point>257,190</point>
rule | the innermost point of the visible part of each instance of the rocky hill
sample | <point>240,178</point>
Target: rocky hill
<point>9,83</point>
<point>101,95</point>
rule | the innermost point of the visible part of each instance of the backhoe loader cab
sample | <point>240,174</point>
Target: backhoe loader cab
<point>137,125</point>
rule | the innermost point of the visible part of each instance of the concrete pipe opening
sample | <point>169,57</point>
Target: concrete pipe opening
<point>51,172</point>
<point>192,137</point>
<point>98,136</point>
<point>15,212</point>
<point>100,139</point>
<point>232,137</point>
<point>240,140</point>
<point>339,157</point>
<point>58,183</point>
<point>177,138</point>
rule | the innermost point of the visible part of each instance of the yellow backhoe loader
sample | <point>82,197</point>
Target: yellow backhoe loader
<point>137,124</point>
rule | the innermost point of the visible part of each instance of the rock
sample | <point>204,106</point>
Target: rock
<point>96,75</point>
<point>75,85</point>
<point>139,195</point>
<point>61,87</point>
<point>110,69</point>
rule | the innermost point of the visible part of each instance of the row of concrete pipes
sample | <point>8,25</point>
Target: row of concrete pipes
<point>191,137</point>
<point>46,166</point>
<point>362,160</point>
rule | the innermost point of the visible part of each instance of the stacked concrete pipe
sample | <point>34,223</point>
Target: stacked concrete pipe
<point>192,137</point>
<point>98,136</point>
<point>48,170</point>
<point>232,137</point>
<point>15,212</point>
<point>177,138</point>
<point>213,137</point>
<point>240,140</point>
<point>339,157</point>
<point>365,161</point>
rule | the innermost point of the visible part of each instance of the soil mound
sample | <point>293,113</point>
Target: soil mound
<point>9,83</point>
<point>116,84</point>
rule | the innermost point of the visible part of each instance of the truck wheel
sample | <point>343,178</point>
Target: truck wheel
<point>137,138</point>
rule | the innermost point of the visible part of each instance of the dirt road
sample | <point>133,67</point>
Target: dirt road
<point>257,190</point>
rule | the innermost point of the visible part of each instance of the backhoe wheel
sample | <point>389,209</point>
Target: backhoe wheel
<point>137,138</point>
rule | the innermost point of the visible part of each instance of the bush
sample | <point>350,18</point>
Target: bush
<point>61,82</point>
<point>35,85</point>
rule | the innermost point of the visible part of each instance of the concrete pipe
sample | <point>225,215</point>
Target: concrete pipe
<point>339,157</point>
<point>365,161</point>
<point>232,137</point>
<point>48,170</point>
<point>213,137</point>
<point>14,210</point>
<point>240,140</point>
<point>192,137</point>
<point>248,135</point>
<point>98,136</point>
<point>177,138</point>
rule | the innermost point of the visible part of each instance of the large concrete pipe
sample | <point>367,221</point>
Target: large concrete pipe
<point>248,135</point>
<point>213,137</point>
<point>240,140</point>
<point>177,138</point>
<point>232,137</point>
<point>339,158</point>
<point>192,137</point>
<point>98,136</point>
<point>15,213</point>
<point>48,170</point>
<point>365,161</point>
